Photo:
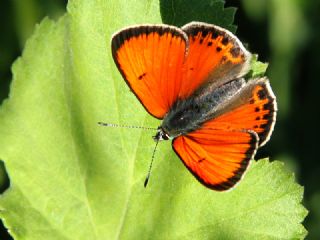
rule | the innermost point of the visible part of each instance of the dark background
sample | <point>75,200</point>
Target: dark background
<point>284,33</point>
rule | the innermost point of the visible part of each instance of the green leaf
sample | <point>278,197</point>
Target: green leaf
<point>72,179</point>
<point>258,69</point>
<point>179,13</point>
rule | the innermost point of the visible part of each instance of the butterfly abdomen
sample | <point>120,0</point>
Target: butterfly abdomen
<point>189,114</point>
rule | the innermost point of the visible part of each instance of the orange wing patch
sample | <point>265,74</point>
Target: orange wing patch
<point>214,55</point>
<point>258,113</point>
<point>217,157</point>
<point>219,152</point>
<point>150,59</point>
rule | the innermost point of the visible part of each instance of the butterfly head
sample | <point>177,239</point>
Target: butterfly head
<point>161,135</point>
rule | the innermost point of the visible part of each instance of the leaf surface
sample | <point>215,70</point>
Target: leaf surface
<point>72,179</point>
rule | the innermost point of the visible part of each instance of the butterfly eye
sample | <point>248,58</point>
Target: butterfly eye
<point>161,135</point>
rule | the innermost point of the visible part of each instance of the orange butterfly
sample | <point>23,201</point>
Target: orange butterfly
<point>192,79</point>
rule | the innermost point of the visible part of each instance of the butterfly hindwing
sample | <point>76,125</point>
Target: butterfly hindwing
<point>219,152</point>
<point>150,58</point>
<point>214,55</point>
<point>217,157</point>
<point>253,108</point>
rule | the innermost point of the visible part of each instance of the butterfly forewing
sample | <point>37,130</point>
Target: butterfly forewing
<point>214,55</point>
<point>150,58</point>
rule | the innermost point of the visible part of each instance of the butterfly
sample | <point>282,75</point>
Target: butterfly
<point>192,79</point>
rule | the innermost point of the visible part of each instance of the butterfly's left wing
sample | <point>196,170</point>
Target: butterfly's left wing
<point>218,153</point>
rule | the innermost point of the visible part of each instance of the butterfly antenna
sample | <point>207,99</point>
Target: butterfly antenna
<point>125,126</point>
<point>149,171</point>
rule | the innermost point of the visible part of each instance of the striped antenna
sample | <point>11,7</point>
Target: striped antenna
<point>125,126</point>
<point>149,171</point>
<point>139,127</point>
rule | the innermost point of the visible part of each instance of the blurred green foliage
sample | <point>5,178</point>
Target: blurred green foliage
<point>284,33</point>
<point>18,19</point>
<point>287,35</point>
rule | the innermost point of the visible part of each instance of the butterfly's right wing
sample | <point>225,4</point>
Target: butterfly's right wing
<point>151,58</point>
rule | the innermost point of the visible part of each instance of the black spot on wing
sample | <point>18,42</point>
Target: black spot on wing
<point>224,59</point>
<point>269,106</point>
<point>235,52</point>
<point>214,35</point>
<point>204,32</point>
<point>262,94</point>
<point>225,40</point>
<point>142,76</point>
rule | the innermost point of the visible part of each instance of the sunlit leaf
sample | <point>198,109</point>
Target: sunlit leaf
<point>73,179</point>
